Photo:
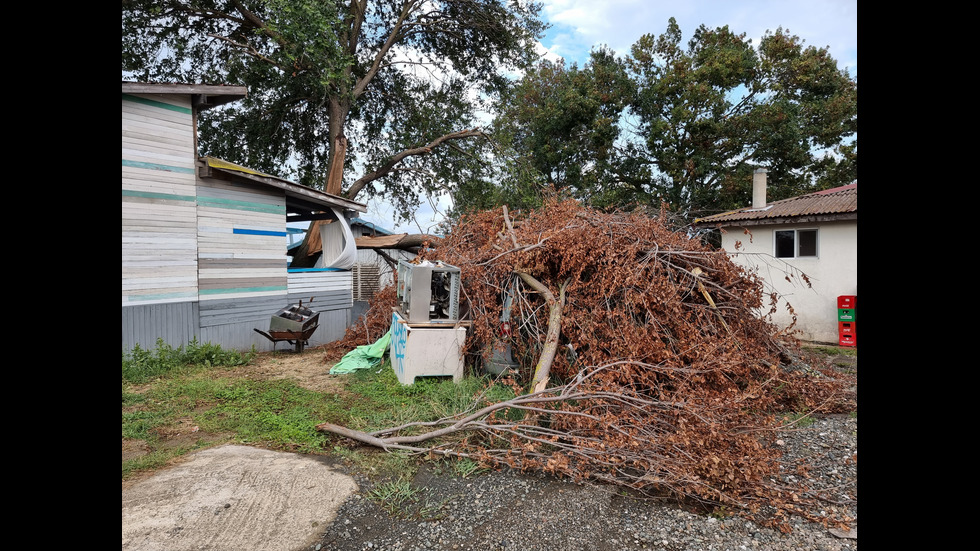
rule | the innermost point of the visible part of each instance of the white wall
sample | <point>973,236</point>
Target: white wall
<point>831,274</point>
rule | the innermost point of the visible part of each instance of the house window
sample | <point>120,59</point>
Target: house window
<point>796,243</point>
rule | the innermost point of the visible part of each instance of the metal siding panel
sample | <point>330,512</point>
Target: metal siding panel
<point>333,326</point>
<point>242,336</point>
<point>331,290</point>
<point>175,323</point>
<point>329,300</point>
<point>248,310</point>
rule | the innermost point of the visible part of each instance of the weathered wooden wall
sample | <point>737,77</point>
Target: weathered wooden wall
<point>201,257</point>
<point>159,220</point>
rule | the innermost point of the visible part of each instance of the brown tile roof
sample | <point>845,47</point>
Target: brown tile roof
<point>839,203</point>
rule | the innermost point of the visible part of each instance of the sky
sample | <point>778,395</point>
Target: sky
<point>579,25</point>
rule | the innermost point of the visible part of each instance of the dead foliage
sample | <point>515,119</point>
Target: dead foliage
<point>666,377</point>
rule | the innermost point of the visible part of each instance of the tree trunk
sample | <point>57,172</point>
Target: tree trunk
<point>335,177</point>
<point>404,241</point>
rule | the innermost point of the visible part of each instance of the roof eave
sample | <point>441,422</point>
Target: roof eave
<point>203,96</point>
<point>804,219</point>
<point>303,197</point>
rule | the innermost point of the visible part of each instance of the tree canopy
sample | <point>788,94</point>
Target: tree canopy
<point>686,127</point>
<point>389,88</point>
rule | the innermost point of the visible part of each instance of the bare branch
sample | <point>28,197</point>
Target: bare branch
<point>392,161</point>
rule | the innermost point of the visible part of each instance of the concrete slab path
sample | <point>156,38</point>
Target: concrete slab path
<point>233,498</point>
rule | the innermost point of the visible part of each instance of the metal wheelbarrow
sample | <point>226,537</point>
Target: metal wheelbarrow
<point>294,324</point>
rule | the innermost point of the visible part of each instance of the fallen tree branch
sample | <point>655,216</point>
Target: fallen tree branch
<point>541,370</point>
<point>402,241</point>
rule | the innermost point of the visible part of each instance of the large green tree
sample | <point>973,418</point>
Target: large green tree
<point>686,126</point>
<point>390,88</point>
<point>564,121</point>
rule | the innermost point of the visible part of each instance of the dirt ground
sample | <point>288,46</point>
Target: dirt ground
<point>310,368</point>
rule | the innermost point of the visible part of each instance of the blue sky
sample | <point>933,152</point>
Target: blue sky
<point>578,25</point>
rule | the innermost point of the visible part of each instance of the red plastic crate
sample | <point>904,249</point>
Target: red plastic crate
<point>847,301</point>
<point>847,340</point>
<point>846,328</point>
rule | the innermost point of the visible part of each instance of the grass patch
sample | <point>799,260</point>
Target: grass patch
<point>177,400</point>
<point>402,499</point>
<point>385,402</point>
<point>833,350</point>
<point>153,460</point>
<point>466,467</point>
<point>277,414</point>
<point>174,401</point>
<point>801,420</point>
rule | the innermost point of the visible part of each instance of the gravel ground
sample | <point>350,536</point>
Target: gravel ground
<point>506,510</point>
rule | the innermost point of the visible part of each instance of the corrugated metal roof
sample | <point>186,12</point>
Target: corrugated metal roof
<point>373,227</point>
<point>830,203</point>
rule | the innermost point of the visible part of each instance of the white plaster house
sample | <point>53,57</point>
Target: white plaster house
<point>813,235</point>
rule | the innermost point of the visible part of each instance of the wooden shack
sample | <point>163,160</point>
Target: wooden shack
<point>204,241</point>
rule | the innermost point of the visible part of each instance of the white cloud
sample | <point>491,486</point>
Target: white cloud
<point>578,25</point>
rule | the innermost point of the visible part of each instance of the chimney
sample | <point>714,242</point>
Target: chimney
<point>759,188</point>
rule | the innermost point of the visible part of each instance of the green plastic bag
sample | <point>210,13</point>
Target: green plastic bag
<point>363,357</point>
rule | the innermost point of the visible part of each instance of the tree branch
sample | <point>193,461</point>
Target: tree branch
<point>541,371</point>
<point>389,165</point>
<point>393,37</point>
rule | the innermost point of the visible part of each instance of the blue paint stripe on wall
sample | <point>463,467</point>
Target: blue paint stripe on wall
<point>157,166</point>
<point>242,290</point>
<point>155,195</point>
<point>154,103</point>
<point>259,232</point>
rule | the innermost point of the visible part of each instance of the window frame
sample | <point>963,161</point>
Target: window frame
<point>796,243</point>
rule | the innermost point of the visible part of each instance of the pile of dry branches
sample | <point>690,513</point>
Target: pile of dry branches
<point>645,360</point>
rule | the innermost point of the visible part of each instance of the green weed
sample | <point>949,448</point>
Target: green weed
<point>466,467</point>
<point>393,495</point>
<point>721,513</point>
<point>799,420</point>
<point>140,365</point>
<point>401,499</point>
<point>833,350</point>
